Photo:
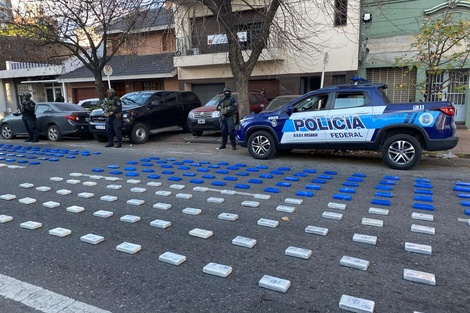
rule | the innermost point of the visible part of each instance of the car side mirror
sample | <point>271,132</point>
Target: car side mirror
<point>289,110</point>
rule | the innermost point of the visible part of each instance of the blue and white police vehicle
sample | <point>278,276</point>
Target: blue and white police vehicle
<point>352,117</point>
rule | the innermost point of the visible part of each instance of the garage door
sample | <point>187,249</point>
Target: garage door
<point>84,93</point>
<point>205,92</point>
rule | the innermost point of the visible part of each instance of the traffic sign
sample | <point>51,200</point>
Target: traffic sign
<point>108,70</point>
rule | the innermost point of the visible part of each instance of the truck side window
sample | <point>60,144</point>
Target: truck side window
<point>349,100</point>
<point>171,98</point>
<point>157,99</point>
<point>313,103</point>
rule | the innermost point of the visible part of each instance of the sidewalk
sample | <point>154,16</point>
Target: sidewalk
<point>462,150</point>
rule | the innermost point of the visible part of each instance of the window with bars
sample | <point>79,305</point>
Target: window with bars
<point>401,82</point>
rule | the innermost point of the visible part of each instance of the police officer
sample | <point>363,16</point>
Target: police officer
<point>58,97</point>
<point>29,118</point>
<point>227,107</point>
<point>112,108</point>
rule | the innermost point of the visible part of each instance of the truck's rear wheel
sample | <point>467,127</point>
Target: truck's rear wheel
<point>401,152</point>
<point>261,145</point>
<point>139,133</point>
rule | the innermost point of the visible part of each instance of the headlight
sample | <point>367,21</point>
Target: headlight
<point>125,115</point>
<point>216,114</point>
<point>191,115</point>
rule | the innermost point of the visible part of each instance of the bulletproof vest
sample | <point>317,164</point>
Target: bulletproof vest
<point>227,103</point>
<point>110,105</point>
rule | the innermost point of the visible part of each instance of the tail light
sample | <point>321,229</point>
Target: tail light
<point>447,110</point>
<point>72,118</point>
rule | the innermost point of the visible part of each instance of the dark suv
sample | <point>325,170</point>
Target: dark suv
<point>145,111</point>
<point>208,118</point>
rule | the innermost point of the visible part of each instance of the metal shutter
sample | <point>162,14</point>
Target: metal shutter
<point>401,84</point>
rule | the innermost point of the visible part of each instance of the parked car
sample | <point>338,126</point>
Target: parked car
<point>90,104</point>
<point>144,112</point>
<point>208,118</point>
<point>54,120</point>
<point>353,117</point>
<point>279,102</point>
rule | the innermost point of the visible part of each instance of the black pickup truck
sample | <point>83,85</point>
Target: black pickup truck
<point>146,111</point>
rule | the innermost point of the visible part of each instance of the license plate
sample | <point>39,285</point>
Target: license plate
<point>201,121</point>
<point>100,127</point>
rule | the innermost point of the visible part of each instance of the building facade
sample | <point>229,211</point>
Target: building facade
<point>387,32</point>
<point>202,51</point>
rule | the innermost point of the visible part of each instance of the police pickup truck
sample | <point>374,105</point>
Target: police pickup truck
<point>353,117</point>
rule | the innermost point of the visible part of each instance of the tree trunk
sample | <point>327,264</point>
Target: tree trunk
<point>242,89</point>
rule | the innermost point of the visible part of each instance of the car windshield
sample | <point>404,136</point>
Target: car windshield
<point>279,102</point>
<point>216,100</point>
<point>136,99</point>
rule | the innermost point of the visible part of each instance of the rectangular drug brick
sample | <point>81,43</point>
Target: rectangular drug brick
<point>172,258</point>
<point>419,277</point>
<point>184,196</point>
<point>138,189</point>
<point>103,213</point>
<point>75,209</point>
<point>135,202</point>
<point>162,206</point>
<point>285,208</point>
<point>422,217</point>
<point>201,233</point>
<point>357,305</point>
<point>5,218</point>
<point>261,196</point>
<point>356,263</point>
<point>128,247</point>
<point>130,218</point>
<point>92,239</point>
<point>27,200</point>
<point>114,187</point>
<point>293,201</point>
<point>335,205</point>
<point>86,195</point>
<point>244,242</point>
<point>274,283</point>
<point>217,269</point>
<point>252,204</point>
<point>60,232</point>
<point>372,222</point>
<point>371,240</point>
<point>8,197</point>
<point>228,192</point>
<point>227,217</point>
<point>215,200</point>
<point>51,204</point>
<point>316,230</point>
<point>177,186</point>
<point>423,229</point>
<point>108,198</point>
<point>267,222</point>
<point>163,193</point>
<point>160,224</point>
<point>298,252</point>
<point>332,215</point>
<point>31,225</point>
<point>378,211</point>
<point>192,211</point>
<point>417,248</point>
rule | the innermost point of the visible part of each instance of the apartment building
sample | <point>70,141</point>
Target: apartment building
<point>387,32</point>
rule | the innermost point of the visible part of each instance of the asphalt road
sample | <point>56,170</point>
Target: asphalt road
<point>102,277</point>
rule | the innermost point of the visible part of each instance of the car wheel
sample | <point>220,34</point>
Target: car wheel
<point>261,145</point>
<point>139,134</point>
<point>53,133</point>
<point>401,152</point>
<point>196,133</point>
<point>6,132</point>
<point>100,138</point>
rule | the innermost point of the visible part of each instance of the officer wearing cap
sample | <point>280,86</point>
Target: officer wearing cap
<point>29,118</point>
<point>227,108</point>
<point>112,108</point>
<point>58,96</point>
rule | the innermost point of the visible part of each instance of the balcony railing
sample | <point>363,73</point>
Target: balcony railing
<point>194,46</point>
<point>11,65</point>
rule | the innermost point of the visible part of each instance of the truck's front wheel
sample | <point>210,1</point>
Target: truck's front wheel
<point>401,152</point>
<point>139,133</point>
<point>261,145</point>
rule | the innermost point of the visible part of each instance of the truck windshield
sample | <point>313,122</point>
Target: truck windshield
<point>135,99</point>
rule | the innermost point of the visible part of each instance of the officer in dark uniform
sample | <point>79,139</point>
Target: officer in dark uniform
<point>29,118</point>
<point>227,107</point>
<point>58,97</point>
<point>112,108</point>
